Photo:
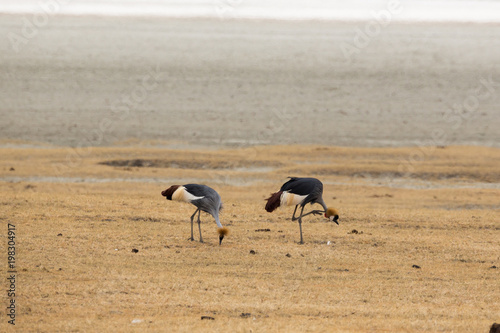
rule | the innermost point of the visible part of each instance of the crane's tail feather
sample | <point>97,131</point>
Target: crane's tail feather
<point>273,201</point>
<point>168,193</point>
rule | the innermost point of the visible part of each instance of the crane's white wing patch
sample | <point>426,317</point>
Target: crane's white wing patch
<point>290,199</point>
<point>181,194</point>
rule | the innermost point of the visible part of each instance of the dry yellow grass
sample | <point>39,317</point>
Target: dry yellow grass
<point>443,216</point>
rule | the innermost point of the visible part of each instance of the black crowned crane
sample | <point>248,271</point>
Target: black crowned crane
<point>299,192</point>
<point>204,198</point>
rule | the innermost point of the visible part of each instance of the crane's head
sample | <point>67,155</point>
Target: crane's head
<point>332,214</point>
<point>222,232</point>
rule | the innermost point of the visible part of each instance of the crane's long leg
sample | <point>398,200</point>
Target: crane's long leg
<point>315,212</point>
<point>199,225</point>
<point>192,218</point>
<point>300,225</point>
<point>301,216</point>
<point>293,216</point>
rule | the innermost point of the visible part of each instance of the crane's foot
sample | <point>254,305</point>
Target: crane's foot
<point>201,241</point>
<point>191,239</point>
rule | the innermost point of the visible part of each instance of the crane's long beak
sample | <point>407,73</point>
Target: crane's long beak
<point>221,237</point>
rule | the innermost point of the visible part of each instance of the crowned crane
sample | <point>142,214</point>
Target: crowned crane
<point>204,198</point>
<point>300,192</point>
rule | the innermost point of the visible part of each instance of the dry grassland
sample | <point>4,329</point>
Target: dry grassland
<point>78,220</point>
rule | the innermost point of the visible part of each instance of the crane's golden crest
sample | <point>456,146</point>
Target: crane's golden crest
<point>331,212</point>
<point>223,231</point>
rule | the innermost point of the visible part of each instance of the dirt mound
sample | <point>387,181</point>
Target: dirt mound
<point>188,164</point>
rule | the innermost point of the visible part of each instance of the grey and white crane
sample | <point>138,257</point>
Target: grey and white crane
<point>299,192</point>
<point>204,198</point>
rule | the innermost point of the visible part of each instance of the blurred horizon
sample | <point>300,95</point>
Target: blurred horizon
<point>90,80</point>
<point>487,11</point>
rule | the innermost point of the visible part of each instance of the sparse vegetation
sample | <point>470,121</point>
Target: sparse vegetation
<point>411,254</point>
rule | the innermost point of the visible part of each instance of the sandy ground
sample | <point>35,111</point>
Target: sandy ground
<point>415,252</point>
<point>101,81</point>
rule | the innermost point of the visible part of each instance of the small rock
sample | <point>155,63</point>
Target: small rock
<point>252,252</point>
<point>135,250</point>
<point>245,315</point>
<point>262,230</point>
<point>494,267</point>
<point>59,234</point>
<point>207,318</point>
<point>137,321</point>
<point>288,255</point>
<point>495,328</point>
<point>12,169</point>
<point>354,231</point>
<point>416,266</point>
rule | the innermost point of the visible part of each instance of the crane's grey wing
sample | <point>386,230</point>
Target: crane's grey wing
<point>311,187</point>
<point>302,186</point>
<point>209,201</point>
<point>198,190</point>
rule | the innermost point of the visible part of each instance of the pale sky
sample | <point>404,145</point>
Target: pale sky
<point>407,10</point>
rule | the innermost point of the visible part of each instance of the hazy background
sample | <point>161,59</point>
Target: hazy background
<point>366,73</point>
